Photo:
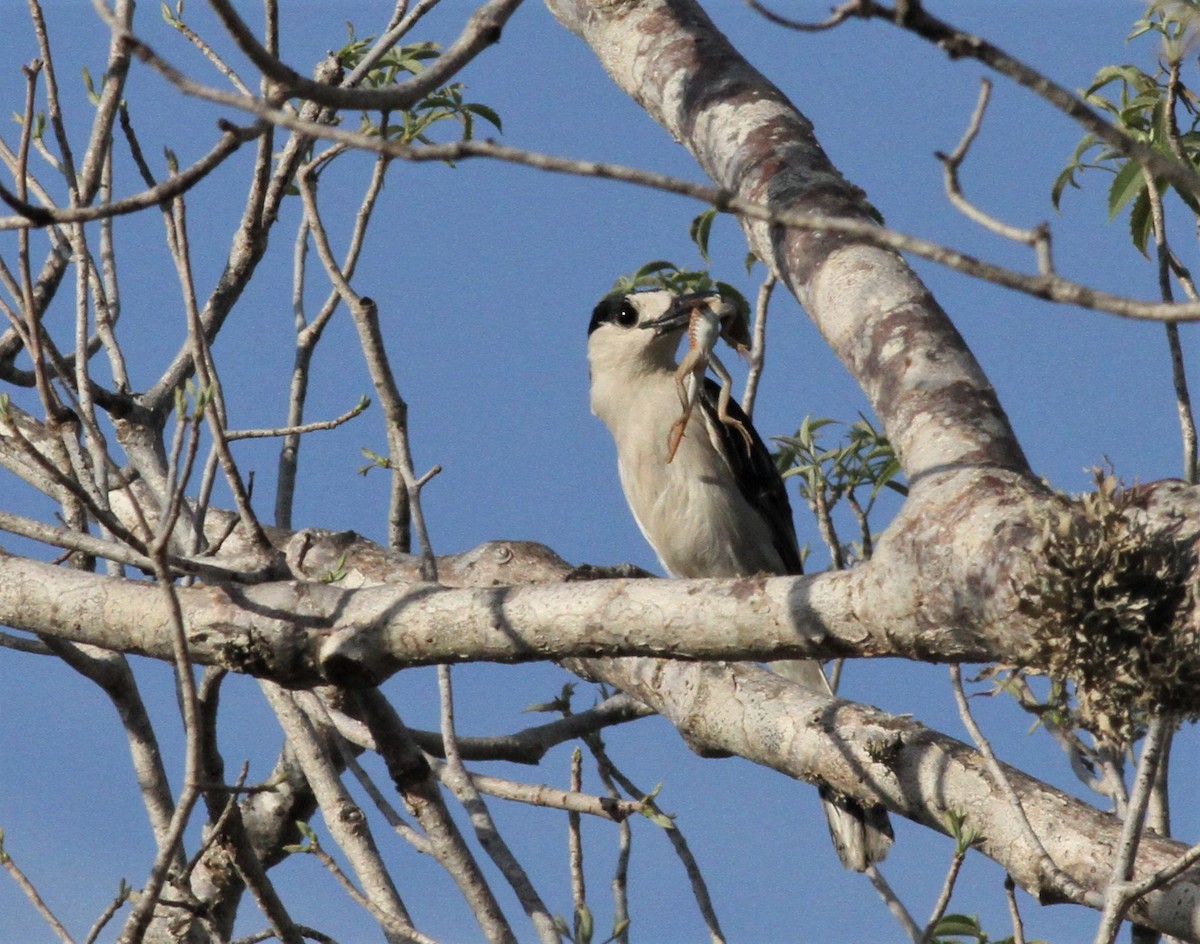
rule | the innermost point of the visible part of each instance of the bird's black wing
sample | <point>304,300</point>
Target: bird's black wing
<point>757,478</point>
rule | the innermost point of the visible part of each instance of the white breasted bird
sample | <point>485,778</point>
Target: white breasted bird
<point>711,502</point>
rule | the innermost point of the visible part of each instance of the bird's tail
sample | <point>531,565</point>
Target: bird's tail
<point>861,835</point>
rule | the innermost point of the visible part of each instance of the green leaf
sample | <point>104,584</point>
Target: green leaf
<point>1125,186</point>
<point>960,925</point>
<point>700,229</point>
<point>1141,222</point>
<point>1130,75</point>
<point>487,114</point>
<point>619,928</point>
<point>653,268</point>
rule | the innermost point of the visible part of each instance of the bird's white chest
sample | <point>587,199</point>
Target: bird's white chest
<point>690,510</point>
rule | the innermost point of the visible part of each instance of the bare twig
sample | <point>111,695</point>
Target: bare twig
<point>1043,285</point>
<point>29,214</point>
<point>537,794</point>
<point>1010,892</point>
<point>958,44</point>
<point>1038,238</point>
<point>170,846</point>
<point>485,828</point>
<point>943,899</point>
<point>343,818</point>
<point>575,842</point>
<point>1055,876</point>
<point>530,745</point>
<point>1183,399</point>
<point>1116,896</point>
<point>235,434</point>
<point>308,334</point>
<point>758,346</point>
<point>30,891</point>
<point>611,773</point>
<point>837,16</point>
<point>894,904</point>
<point>482,30</point>
<point>109,912</point>
<point>365,313</point>
<point>411,775</point>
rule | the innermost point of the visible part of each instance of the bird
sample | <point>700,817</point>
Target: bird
<point>716,506</point>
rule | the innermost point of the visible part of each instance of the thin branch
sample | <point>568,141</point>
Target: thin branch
<point>400,24</point>
<point>109,912</point>
<point>210,384</point>
<point>1038,238</point>
<point>343,818</point>
<point>170,846</point>
<point>758,346</point>
<point>32,647</point>
<point>1010,892</point>
<point>894,904</point>
<point>308,336</point>
<point>413,778</point>
<point>575,842</point>
<point>482,30</point>
<point>958,44</point>
<point>611,773</point>
<point>394,819</point>
<point>837,16</point>
<point>209,53</point>
<point>1116,896</point>
<point>1055,876</point>
<point>485,827</point>
<point>1183,399</point>
<point>943,899</point>
<point>402,507</point>
<point>33,215</point>
<point>31,892</point>
<point>235,434</point>
<point>53,103</point>
<point>536,794</point>
<point>1044,285</point>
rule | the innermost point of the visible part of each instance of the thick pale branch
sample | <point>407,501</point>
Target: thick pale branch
<point>306,632</point>
<point>913,771</point>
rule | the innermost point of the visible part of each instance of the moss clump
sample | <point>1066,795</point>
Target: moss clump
<point>1108,602</point>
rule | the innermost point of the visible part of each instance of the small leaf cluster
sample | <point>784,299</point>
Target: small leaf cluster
<point>1108,604</point>
<point>661,274</point>
<point>666,275</point>
<point>956,928</point>
<point>1141,105</point>
<point>584,928</point>
<point>412,124</point>
<point>199,396</point>
<point>862,460</point>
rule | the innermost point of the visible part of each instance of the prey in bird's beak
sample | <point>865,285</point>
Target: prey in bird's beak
<point>707,317</point>
<point>734,323</point>
<point>681,311</point>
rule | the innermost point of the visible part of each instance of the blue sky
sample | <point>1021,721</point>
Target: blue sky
<point>486,275</point>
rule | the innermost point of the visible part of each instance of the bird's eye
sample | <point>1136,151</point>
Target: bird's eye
<point>627,316</point>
